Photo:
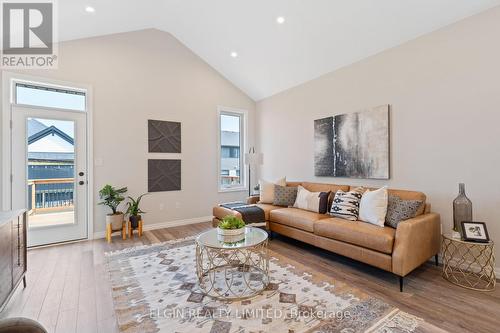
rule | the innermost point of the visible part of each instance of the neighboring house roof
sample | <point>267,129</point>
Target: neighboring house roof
<point>48,143</point>
<point>52,130</point>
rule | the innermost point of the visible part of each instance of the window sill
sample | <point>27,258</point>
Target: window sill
<point>233,189</point>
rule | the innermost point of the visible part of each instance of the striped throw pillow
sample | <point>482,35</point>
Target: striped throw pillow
<point>346,204</point>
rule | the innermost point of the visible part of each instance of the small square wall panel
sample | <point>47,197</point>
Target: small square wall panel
<point>164,136</point>
<point>164,175</point>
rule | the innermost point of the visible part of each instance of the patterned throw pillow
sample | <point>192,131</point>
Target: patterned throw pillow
<point>399,210</point>
<point>284,195</point>
<point>346,204</point>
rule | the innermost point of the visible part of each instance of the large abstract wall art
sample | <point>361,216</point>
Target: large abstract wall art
<point>354,145</point>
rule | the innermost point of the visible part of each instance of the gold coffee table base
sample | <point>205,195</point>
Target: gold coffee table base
<point>232,273</point>
<point>469,265</point>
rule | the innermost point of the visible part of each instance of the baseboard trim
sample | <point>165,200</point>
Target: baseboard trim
<point>166,224</point>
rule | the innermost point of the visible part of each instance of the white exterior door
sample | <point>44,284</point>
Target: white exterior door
<point>49,172</point>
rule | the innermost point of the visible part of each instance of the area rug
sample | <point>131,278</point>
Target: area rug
<point>154,289</point>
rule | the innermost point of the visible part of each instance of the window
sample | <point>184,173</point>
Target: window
<point>29,94</point>
<point>231,142</point>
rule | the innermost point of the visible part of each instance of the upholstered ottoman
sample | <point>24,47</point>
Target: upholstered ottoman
<point>219,212</point>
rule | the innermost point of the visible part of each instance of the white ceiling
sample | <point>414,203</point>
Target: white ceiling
<point>317,37</point>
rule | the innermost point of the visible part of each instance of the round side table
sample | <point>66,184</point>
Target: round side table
<point>468,264</point>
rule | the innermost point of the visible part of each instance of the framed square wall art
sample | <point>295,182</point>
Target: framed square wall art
<point>164,175</point>
<point>164,136</point>
<point>353,145</point>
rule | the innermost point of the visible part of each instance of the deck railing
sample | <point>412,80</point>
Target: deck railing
<point>50,194</point>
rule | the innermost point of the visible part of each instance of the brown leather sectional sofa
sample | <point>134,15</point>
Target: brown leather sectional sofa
<point>399,250</point>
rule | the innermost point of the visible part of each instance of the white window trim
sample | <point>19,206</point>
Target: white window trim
<point>222,110</point>
<point>49,84</point>
<point>9,79</point>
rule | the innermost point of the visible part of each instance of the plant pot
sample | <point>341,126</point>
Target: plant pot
<point>230,232</point>
<point>231,238</point>
<point>116,220</point>
<point>134,220</point>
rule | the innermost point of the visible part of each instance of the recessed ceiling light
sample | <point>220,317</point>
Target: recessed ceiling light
<point>234,54</point>
<point>89,9</point>
<point>280,20</point>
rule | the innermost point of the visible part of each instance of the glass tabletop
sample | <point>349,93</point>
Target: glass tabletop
<point>253,237</point>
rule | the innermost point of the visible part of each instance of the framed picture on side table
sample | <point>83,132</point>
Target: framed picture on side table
<point>475,232</point>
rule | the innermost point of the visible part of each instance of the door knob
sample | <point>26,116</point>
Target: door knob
<point>81,182</point>
<point>80,173</point>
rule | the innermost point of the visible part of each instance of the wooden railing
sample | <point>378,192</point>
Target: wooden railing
<point>50,198</point>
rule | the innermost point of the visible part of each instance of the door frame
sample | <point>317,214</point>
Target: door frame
<point>8,82</point>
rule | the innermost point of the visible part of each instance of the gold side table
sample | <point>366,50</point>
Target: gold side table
<point>468,264</point>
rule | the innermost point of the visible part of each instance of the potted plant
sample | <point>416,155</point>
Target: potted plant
<point>231,226</point>
<point>134,210</point>
<point>112,198</point>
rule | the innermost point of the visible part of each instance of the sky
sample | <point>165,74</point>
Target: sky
<point>67,126</point>
<point>38,97</point>
<point>230,123</point>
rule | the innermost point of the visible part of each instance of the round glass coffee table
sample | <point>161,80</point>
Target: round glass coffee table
<point>232,270</point>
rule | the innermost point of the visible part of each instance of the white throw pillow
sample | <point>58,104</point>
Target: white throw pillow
<point>310,201</point>
<point>267,190</point>
<point>373,206</point>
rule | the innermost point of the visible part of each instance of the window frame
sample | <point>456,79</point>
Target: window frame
<point>83,91</point>
<point>243,115</point>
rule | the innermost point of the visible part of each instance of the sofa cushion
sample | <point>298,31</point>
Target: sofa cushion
<point>358,233</point>
<point>406,195</point>
<point>297,218</point>
<point>346,204</point>
<point>267,208</point>
<point>267,189</point>
<point>312,201</point>
<point>399,210</point>
<point>284,195</point>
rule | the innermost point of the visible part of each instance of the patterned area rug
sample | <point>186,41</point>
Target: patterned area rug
<point>155,290</point>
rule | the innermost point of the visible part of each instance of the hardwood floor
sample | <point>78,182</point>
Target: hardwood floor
<point>68,290</point>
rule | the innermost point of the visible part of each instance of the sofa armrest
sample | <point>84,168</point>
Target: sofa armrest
<point>253,199</point>
<point>417,240</point>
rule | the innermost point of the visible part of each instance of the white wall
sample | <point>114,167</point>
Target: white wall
<point>144,75</point>
<point>444,89</point>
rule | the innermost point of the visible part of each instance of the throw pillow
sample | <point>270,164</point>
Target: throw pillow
<point>346,204</point>
<point>373,206</point>
<point>284,195</point>
<point>399,210</point>
<point>267,190</point>
<point>312,201</point>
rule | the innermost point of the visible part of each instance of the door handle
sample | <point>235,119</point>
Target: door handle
<point>81,182</point>
<point>81,173</point>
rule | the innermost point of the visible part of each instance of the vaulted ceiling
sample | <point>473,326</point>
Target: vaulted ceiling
<point>317,36</point>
